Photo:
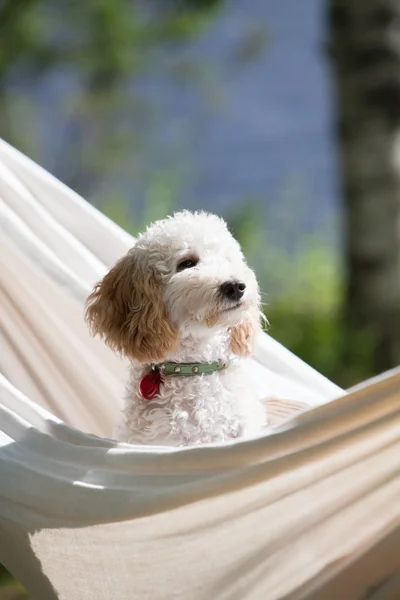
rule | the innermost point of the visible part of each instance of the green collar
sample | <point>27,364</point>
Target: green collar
<point>189,369</point>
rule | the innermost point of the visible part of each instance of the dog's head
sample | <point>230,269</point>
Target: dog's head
<point>185,274</point>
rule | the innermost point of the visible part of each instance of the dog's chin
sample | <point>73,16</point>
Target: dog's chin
<point>231,315</point>
<point>234,307</point>
<point>225,316</point>
<point>218,316</point>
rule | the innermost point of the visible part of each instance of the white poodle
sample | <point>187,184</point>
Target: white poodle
<point>183,306</point>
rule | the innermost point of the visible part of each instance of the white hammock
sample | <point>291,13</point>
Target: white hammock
<point>311,510</point>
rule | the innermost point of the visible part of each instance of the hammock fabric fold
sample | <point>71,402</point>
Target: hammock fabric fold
<point>309,510</point>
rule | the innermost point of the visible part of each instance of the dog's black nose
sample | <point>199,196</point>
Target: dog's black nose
<point>233,290</point>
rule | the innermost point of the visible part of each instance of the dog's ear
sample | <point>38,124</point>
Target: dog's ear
<point>244,333</point>
<point>126,308</point>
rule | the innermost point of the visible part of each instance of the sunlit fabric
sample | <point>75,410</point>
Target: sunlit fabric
<point>309,510</point>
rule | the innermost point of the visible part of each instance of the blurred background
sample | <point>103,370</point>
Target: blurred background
<point>282,116</point>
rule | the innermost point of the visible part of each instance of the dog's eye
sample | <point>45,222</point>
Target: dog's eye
<point>188,263</point>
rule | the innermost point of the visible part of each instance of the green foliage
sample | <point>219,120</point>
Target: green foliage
<point>305,286</point>
<point>101,37</point>
<point>5,577</point>
<point>104,46</point>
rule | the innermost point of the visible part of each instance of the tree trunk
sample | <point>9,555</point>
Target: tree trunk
<point>365,51</point>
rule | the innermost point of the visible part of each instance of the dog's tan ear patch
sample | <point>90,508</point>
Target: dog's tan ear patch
<point>244,333</point>
<point>127,310</point>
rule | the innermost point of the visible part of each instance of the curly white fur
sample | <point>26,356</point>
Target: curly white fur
<point>152,311</point>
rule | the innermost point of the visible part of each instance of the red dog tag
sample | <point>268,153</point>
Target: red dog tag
<point>149,386</point>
